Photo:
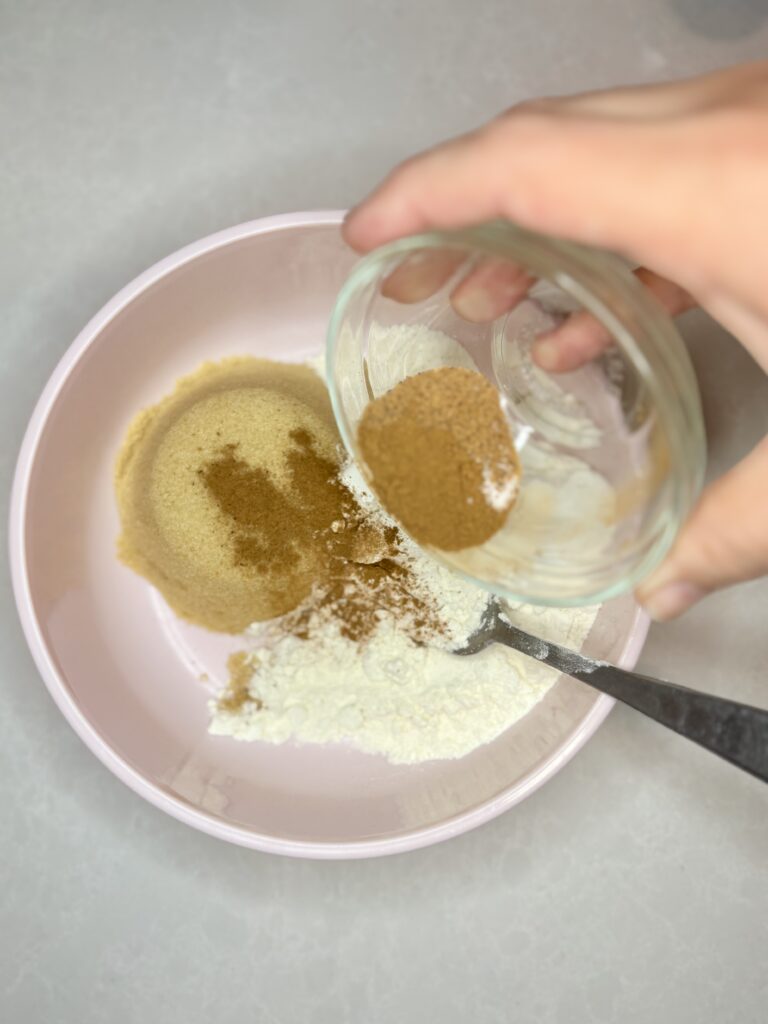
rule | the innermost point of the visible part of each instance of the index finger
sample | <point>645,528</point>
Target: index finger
<point>617,185</point>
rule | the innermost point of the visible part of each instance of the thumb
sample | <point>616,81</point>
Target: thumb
<point>724,541</point>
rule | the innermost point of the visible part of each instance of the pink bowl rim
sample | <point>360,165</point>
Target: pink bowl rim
<point>68,706</point>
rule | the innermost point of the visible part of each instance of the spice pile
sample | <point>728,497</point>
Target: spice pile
<point>441,457</point>
<point>355,570</point>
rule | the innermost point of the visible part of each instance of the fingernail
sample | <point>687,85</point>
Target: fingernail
<point>546,354</point>
<point>476,305</point>
<point>671,600</point>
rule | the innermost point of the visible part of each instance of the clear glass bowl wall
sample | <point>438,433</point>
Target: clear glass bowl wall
<point>612,453</point>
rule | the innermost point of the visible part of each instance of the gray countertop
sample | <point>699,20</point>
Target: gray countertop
<point>633,886</point>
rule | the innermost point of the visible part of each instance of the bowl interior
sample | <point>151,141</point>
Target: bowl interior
<point>133,680</point>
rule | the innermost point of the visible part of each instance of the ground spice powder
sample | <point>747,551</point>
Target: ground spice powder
<point>357,574</point>
<point>441,457</point>
<point>271,528</point>
<point>241,670</point>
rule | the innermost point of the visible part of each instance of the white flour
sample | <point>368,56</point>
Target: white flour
<point>395,353</point>
<point>391,697</point>
<point>499,496</point>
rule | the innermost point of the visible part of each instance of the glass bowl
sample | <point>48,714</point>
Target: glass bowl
<point>612,452</point>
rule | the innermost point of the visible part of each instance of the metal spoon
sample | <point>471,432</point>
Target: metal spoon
<point>736,732</point>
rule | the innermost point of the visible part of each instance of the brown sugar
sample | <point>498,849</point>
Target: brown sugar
<point>212,492</point>
<point>441,457</point>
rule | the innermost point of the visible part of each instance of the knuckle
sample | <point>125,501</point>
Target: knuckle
<point>538,107</point>
<point>406,168</point>
<point>530,122</point>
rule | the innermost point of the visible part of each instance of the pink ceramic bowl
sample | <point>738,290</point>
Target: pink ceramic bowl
<point>130,678</point>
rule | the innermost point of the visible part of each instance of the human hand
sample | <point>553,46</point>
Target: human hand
<point>674,176</point>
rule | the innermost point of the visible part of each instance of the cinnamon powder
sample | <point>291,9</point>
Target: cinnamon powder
<point>357,574</point>
<point>241,670</point>
<point>441,457</point>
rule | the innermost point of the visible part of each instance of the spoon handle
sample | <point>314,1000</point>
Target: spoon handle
<point>736,732</point>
